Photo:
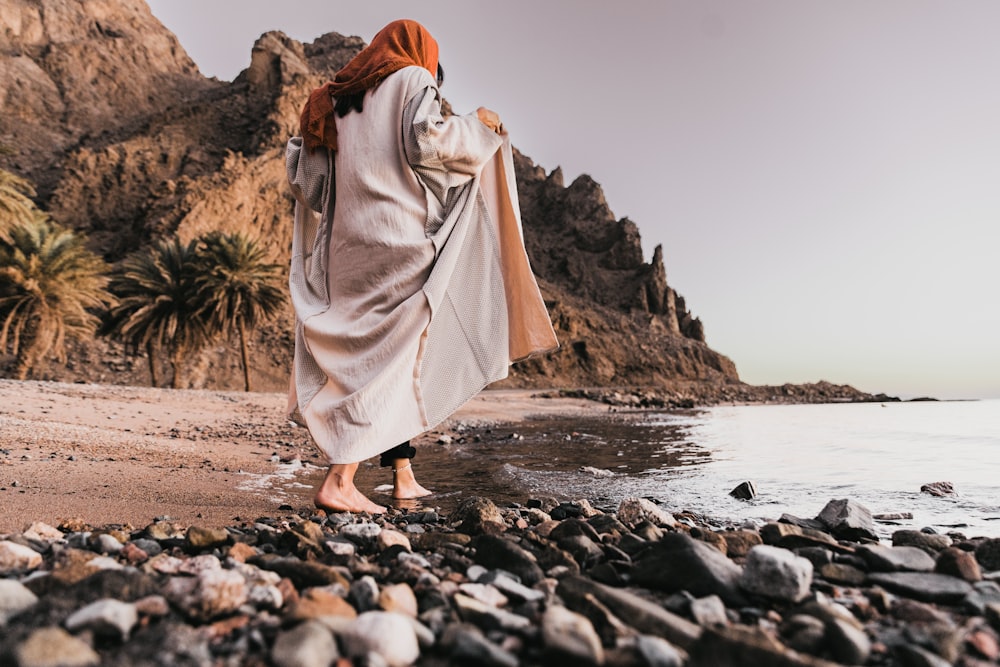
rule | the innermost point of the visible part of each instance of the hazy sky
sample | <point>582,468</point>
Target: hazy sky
<point>824,177</point>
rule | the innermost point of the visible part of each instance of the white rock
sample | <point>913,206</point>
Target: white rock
<point>341,547</point>
<point>107,544</point>
<point>43,532</point>
<point>105,563</point>
<point>776,573</point>
<point>386,633</point>
<point>388,538</point>
<point>14,599</point>
<point>106,617</point>
<point>17,557</point>
<point>484,593</point>
<point>309,644</point>
<point>571,635</point>
<point>212,593</point>
<point>200,564</point>
<point>633,511</point>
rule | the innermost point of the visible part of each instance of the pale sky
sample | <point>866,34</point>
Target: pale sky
<point>824,177</point>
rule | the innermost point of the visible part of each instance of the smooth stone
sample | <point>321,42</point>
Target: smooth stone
<point>484,593</point>
<point>362,534</point>
<point>390,538</point>
<point>645,616</point>
<point>199,564</point>
<point>790,536</point>
<point>488,617</point>
<point>399,598</point>
<point>633,511</point>
<point>958,563</point>
<point>108,544</point>
<point>416,560</point>
<point>842,573</point>
<point>467,645</point>
<point>895,559</point>
<point>925,586</point>
<point>509,586</point>
<point>658,652</point>
<point>740,542</point>
<point>680,563</point>
<point>803,632</point>
<point>364,593</point>
<point>498,552</point>
<point>776,573</point>
<point>848,519</point>
<point>988,554</point>
<point>303,574</point>
<point>341,547</point>
<point>709,610</point>
<point>54,647</point>
<point>915,656</point>
<point>308,644</point>
<point>43,532</point>
<point>929,542</point>
<point>107,618</point>
<point>15,598</point>
<point>571,636</point>
<point>848,643</point>
<point>818,556</point>
<point>204,537</point>
<point>984,593</point>
<point>317,602</point>
<point>211,594</point>
<point>805,524</point>
<point>387,634</point>
<point>17,558</point>
<point>151,547</point>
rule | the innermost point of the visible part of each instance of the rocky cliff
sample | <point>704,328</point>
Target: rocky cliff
<point>128,142</point>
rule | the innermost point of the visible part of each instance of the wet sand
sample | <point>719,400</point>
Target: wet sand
<point>109,454</point>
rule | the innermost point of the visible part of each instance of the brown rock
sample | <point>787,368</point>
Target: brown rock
<point>958,563</point>
<point>202,537</point>
<point>739,542</point>
<point>398,598</point>
<point>240,552</point>
<point>133,554</point>
<point>316,602</point>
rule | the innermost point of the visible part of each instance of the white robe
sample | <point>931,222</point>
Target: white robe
<point>411,287</point>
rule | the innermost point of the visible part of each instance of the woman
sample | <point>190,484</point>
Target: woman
<point>411,288</point>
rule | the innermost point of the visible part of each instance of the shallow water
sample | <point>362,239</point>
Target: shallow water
<point>798,456</point>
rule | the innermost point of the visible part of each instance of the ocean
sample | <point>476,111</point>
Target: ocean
<point>799,457</point>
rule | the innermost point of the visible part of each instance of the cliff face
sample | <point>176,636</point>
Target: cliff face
<point>129,142</point>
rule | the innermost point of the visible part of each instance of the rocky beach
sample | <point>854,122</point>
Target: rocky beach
<point>126,539</point>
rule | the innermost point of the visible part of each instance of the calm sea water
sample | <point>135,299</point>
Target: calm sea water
<point>798,456</point>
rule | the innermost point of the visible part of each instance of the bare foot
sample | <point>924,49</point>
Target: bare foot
<point>404,484</point>
<point>338,494</point>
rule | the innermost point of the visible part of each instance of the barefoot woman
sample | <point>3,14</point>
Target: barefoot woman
<point>411,287</point>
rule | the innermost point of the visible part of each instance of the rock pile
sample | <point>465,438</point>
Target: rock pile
<point>538,584</point>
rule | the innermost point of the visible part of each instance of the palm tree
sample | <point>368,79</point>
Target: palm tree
<point>159,304</point>
<point>240,289</point>
<point>16,206</point>
<point>49,286</point>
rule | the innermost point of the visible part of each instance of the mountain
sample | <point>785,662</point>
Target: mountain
<point>128,142</point>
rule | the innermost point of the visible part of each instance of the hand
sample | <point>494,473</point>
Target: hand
<point>490,119</point>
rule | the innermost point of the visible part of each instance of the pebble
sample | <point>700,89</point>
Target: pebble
<point>500,586</point>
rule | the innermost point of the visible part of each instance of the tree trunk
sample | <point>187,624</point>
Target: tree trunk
<point>244,354</point>
<point>151,357</point>
<point>175,361</point>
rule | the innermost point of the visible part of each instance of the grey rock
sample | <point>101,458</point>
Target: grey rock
<point>387,634</point>
<point>818,556</point>
<point>803,632</point>
<point>928,587</point>
<point>776,573</point>
<point>569,635</point>
<point>363,534</point>
<point>639,613</point>
<point>679,562</point>
<point>14,599</point>
<point>929,542</point>
<point>499,552</point>
<point>309,644</point>
<point>363,594</point>
<point>151,547</point>
<point>211,594</point>
<point>106,618</point>
<point>914,656</point>
<point>744,491</point>
<point>468,645</point>
<point>54,647</point>
<point>894,559</point>
<point>489,617</point>
<point>633,511</point>
<point>848,644</point>
<point>341,547</point>
<point>848,519</point>
<point>107,544</point>
<point>983,595</point>
<point>657,652</point>
<point>988,554</point>
<point>510,586</point>
<point>709,610</point>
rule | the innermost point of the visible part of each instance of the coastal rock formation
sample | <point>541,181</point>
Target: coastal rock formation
<point>128,143</point>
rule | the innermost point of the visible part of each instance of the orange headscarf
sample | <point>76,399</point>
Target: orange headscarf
<point>400,44</point>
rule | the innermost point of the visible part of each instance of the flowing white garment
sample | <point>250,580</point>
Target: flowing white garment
<point>411,287</point>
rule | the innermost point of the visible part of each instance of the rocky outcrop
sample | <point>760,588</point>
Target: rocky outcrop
<point>128,142</point>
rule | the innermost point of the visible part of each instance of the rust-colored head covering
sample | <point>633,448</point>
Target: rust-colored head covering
<point>400,44</point>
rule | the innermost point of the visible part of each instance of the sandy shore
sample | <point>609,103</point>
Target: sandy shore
<point>112,454</point>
